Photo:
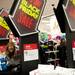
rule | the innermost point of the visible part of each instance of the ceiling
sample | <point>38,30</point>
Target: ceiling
<point>6,4</point>
<point>48,10</point>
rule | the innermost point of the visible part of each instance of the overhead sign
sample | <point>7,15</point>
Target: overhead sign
<point>27,16</point>
<point>70,13</point>
<point>4,29</point>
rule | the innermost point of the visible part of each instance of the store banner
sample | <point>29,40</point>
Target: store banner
<point>30,52</point>
<point>27,16</point>
<point>73,49</point>
<point>4,29</point>
<point>70,14</point>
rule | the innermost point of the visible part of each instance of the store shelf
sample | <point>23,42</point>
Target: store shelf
<point>50,60</point>
<point>52,51</point>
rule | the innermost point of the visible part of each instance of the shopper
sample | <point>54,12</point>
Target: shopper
<point>10,51</point>
<point>61,47</point>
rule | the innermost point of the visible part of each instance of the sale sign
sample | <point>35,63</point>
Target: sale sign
<point>70,13</point>
<point>30,52</point>
<point>27,16</point>
<point>4,29</point>
<point>73,49</point>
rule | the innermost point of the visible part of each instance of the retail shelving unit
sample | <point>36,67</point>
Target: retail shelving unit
<point>67,25</point>
<point>52,56</point>
<point>23,23</point>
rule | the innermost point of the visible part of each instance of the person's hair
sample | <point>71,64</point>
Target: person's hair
<point>63,42</point>
<point>10,54</point>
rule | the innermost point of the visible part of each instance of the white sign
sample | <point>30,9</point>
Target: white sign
<point>73,49</point>
<point>30,52</point>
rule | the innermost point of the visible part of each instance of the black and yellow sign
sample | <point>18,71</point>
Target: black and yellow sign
<point>70,13</point>
<point>27,16</point>
<point>4,29</point>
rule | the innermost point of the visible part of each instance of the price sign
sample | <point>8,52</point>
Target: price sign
<point>27,16</point>
<point>70,13</point>
<point>4,29</point>
<point>30,52</point>
<point>73,49</point>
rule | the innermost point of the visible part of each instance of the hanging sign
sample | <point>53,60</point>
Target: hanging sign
<point>27,16</point>
<point>70,13</point>
<point>4,29</point>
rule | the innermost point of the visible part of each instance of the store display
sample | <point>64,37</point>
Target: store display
<point>30,52</point>
<point>43,37</point>
<point>4,29</point>
<point>49,70</point>
<point>9,58</point>
<point>27,16</point>
<point>20,48</point>
<point>73,49</point>
<point>70,10</point>
<point>3,58</point>
<point>70,31</point>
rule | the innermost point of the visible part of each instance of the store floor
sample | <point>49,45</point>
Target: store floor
<point>12,70</point>
<point>10,73</point>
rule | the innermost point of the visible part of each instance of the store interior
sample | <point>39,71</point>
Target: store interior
<point>36,37</point>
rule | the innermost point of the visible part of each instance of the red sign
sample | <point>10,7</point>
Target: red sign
<point>70,13</point>
<point>24,20</point>
<point>73,44</point>
<point>4,29</point>
<point>27,16</point>
<point>71,9</point>
<point>30,52</point>
<point>3,32</point>
<point>30,46</point>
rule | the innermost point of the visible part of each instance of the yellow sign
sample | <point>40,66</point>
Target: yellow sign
<point>29,9</point>
<point>73,2</point>
<point>3,23</point>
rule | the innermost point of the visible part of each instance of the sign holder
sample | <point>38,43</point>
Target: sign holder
<point>30,59</point>
<point>29,16</point>
<point>67,21</point>
<point>70,31</point>
<point>23,23</point>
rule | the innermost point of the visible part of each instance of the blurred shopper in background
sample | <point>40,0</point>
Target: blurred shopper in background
<point>61,47</point>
